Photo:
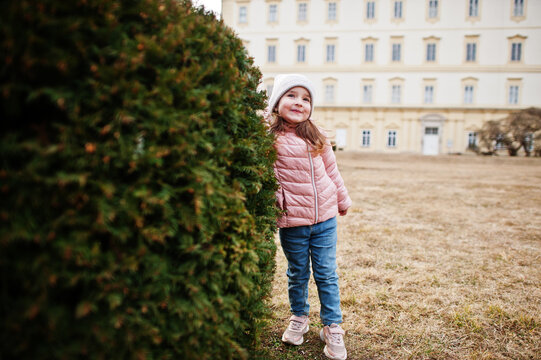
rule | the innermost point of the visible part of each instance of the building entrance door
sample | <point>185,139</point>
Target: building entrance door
<point>431,141</point>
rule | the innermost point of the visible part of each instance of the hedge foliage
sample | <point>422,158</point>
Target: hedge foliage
<point>137,212</point>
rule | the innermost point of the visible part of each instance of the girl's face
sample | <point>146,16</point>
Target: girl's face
<point>295,105</point>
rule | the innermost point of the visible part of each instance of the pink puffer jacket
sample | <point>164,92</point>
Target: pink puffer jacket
<point>311,188</point>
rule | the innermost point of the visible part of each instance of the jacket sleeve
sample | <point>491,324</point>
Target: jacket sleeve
<point>329,159</point>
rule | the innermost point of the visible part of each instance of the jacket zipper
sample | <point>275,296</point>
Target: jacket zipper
<point>313,182</point>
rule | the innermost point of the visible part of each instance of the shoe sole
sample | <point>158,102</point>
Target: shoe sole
<point>287,341</point>
<point>326,350</point>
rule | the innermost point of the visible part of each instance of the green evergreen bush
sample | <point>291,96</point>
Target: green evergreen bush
<point>137,193</point>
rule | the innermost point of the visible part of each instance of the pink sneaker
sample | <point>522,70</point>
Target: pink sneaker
<point>334,342</point>
<point>298,326</point>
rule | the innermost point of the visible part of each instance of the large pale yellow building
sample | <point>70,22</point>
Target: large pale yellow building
<point>400,75</point>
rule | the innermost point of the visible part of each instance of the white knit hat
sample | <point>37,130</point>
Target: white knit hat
<point>284,82</point>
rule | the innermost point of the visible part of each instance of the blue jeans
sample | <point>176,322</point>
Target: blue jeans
<point>318,243</point>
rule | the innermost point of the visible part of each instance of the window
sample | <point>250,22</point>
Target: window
<point>329,93</point>
<point>471,43</point>
<point>516,48</point>
<point>370,9</point>
<point>396,85</point>
<point>468,94</point>
<point>365,140</point>
<point>513,91</point>
<point>369,47</point>
<point>367,93</point>
<point>395,93</point>
<point>331,11</point>
<point>329,90</point>
<point>243,15</point>
<point>397,13</point>
<point>500,142</point>
<point>369,53</point>
<point>473,8</point>
<point>396,52</point>
<point>330,50</point>
<point>271,53</point>
<point>391,138</point>
<point>301,53</point>
<point>431,45</point>
<point>518,8</point>
<point>301,46</point>
<point>433,9</point>
<point>273,13</point>
<point>428,89</point>
<point>431,130</point>
<point>513,94</point>
<point>516,51</point>
<point>529,142</point>
<point>431,52</point>
<point>472,140</point>
<point>471,52</point>
<point>469,86</point>
<point>302,14</point>
<point>330,53</point>
<point>269,84</point>
<point>429,94</point>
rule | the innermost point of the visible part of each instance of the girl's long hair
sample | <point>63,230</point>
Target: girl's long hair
<point>306,130</point>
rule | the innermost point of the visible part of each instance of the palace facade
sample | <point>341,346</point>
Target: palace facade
<point>415,76</point>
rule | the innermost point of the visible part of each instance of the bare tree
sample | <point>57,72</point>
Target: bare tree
<point>489,136</point>
<point>520,129</point>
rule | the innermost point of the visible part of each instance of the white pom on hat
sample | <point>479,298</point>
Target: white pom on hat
<point>284,82</point>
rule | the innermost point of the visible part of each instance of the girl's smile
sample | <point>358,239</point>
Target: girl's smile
<point>295,105</point>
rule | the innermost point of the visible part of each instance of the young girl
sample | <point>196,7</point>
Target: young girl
<point>311,193</point>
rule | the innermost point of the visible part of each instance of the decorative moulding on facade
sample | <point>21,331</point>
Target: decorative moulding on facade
<point>378,68</point>
<point>372,58</point>
<point>471,39</point>
<point>367,126</point>
<point>304,43</point>
<point>330,42</point>
<point>397,40</point>
<point>432,120</point>
<point>431,40</point>
<point>516,39</point>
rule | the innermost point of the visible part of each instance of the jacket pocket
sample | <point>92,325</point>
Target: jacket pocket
<point>281,199</point>
<point>283,205</point>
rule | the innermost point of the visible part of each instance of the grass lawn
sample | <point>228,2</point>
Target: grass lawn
<point>438,258</point>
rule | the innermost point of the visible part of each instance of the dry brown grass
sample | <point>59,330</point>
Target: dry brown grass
<point>439,258</point>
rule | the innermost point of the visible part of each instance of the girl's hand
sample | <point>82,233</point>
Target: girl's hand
<point>343,212</point>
